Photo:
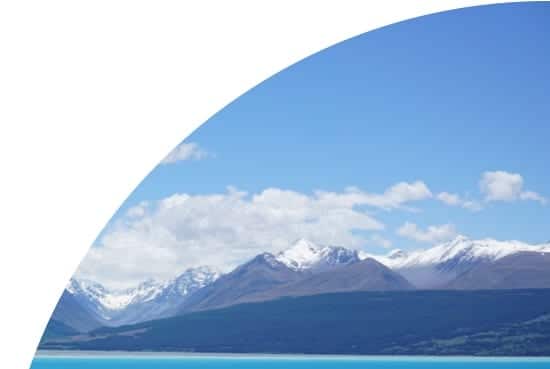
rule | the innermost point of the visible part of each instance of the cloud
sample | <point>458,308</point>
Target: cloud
<point>449,198</point>
<point>378,240</point>
<point>185,151</point>
<point>453,199</point>
<point>394,197</point>
<point>501,186</point>
<point>530,195</point>
<point>505,186</point>
<point>163,238</point>
<point>137,210</point>
<point>433,234</point>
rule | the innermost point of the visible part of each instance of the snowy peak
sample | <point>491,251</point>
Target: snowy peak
<point>113,300</point>
<point>461,249</point>
<point>440,264</point>
<point>107,299</point>
<point>302,255</point>
<point>193,279</point>
<point>305,255</point>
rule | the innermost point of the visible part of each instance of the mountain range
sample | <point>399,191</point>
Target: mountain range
<point>306,269</point>
<point>418,322</point>
<point>149,300</point>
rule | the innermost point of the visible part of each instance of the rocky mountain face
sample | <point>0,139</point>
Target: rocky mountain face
<point>363,275</point>
<point>517,271</point>
<point>262,273</point>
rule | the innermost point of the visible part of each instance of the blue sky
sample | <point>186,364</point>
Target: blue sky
<point>440,99</point>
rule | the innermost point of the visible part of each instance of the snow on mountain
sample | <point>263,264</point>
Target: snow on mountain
<point>461,248</point>
<point>438,265</point>
<point>112,305</point>
<point>431,268</point>
<point>190,281</point>
<point>115,299</point>
<point>425,268</point>
<point>305,255</point>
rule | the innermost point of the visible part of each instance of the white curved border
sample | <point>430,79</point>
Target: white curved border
<point>94,94</point>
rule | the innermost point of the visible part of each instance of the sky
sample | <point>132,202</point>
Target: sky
<point>403,137</point>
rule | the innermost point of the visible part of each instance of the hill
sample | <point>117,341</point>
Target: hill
<point>405,322</point>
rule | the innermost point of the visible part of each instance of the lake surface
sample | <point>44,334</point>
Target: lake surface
<point>282,362</point>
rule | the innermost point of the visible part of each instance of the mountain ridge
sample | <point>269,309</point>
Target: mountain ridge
<point>150,299</point>
<point>303,269</point>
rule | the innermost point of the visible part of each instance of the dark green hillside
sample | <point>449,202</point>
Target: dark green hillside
<point>530,338</point>
<point>343,323</point>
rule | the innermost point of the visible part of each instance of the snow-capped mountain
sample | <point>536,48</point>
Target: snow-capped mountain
<point>149,300</point>
<point>308,268</point>
<point>436,266</point>
<point>305,255</point>
<point>112,300</point>
<point>303,269</point>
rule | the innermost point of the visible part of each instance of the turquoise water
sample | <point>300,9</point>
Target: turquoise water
<point>284,363</point>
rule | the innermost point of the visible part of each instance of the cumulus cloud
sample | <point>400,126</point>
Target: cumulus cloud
<point>505,186</point>
<point>433,234</point>
<point>185,151</point>
<point>453,199</point>
<point>164,238</point>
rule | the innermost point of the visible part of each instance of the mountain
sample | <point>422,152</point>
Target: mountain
<point>520,270</point>
<point>149,300</point>
<point>70,315</point>
<point>262,273</point>
<point>497,323</point>
<point>199,288</point>
<point>166,298</point>
<point>265,276</point>
<point>56,329</point>
<point>305,255</point>
<point>364,275</point>
<point>438,266</point>
<point>303,269</point>
<point>309,269</point>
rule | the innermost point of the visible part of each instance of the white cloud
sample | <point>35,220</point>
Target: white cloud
<point>449,198</point>
<point>433,234</point>
<point>505,186</point>
<point>393,198</point>
<point>221,230</point>
<point>137,210</point>
<point>530,195</point>
<point>471,205</point>
<point>453,199</point>
<point>185,151</point>
<point>378,240</point>
<point>501,186</point>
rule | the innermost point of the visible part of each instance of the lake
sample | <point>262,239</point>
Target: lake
<point>281,362</point>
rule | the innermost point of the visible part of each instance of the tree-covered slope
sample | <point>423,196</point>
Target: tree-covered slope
<point>340,323</point>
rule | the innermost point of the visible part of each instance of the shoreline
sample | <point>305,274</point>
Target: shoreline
<point>69,354</point>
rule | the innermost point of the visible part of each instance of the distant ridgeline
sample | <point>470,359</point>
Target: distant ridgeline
<point>460,298</point>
